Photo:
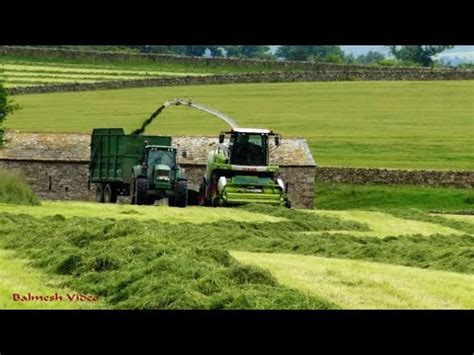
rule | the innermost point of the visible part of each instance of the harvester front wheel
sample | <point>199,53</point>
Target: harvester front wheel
<point>182,193</point>
<point>202,200</point>
<point>99,193</point>
<point>141,188</point>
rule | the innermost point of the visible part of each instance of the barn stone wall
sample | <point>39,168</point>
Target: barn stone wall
<point>68,180</point>
<point>54,180</point>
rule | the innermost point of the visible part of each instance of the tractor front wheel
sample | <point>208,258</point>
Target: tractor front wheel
<point>141,191</point>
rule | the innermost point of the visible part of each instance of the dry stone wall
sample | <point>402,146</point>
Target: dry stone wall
<point>434,178</point>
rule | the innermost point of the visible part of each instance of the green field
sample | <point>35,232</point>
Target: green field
<point>419,125</point>
<point>332,196</point>
<point>262,258</point>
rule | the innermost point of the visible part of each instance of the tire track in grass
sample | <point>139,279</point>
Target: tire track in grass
<point>384,224</point>
<point>355,284</point>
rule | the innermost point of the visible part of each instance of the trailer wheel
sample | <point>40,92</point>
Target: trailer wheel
<point>141,188</point>
<point>99,193</point>
<point>182,193</point>
<point>110,194</point>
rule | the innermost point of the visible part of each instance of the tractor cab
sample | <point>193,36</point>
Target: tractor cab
<point>248,146</point>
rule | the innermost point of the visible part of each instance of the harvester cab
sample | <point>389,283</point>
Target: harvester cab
<point>238,170</point>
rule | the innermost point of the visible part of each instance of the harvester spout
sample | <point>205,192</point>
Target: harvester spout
<point>211,111</point>
<point>188,103</point>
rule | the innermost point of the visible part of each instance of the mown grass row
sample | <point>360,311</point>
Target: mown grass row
<point>130,267</point>
<point>149,264</point>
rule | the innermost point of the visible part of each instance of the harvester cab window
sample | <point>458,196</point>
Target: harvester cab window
<point>249,149</point>
<point>159,156</point>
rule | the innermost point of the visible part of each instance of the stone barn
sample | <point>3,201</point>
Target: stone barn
<point>56,166</point>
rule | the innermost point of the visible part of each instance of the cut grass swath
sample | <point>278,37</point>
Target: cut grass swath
<point>365,285</point>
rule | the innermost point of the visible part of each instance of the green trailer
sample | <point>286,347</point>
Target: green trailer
<point>142,167</point>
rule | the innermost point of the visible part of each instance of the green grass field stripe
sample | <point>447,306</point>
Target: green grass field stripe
<point>367,285</point>
<point>17,85</point>
<point>17,277</point>
<point>145,65</point>
<point>49,80</point>
<point>384,225</point>
<point>191,214</point>
<point>79,69</point>
<point>10,75</point>
<point>61,71</point>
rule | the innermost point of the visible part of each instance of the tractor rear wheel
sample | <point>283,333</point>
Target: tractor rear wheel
<point>141,191</point>
<point>99,193</point>
<point>110,194</point>
<point>182,193</point>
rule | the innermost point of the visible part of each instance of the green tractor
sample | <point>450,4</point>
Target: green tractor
<point>157,177</point>
<point>143,167</point>
<point>238,172</point>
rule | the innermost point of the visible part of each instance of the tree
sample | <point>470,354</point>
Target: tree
<point>417,54</point>
<point>6,107</point>
<point>316,53</point>
<point>370,57</point>
<point>216,51</point>
<point>261,52</point>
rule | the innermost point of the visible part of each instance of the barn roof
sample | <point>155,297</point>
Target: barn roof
<point>65,147</point>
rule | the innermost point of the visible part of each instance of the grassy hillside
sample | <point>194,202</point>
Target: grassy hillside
<point>417,125</point>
